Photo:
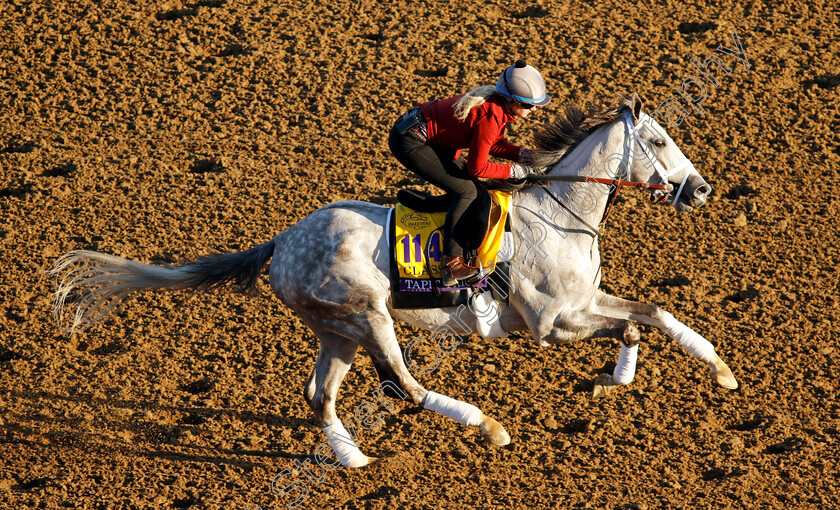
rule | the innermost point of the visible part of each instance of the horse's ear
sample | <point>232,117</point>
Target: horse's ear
<point>637,106</point>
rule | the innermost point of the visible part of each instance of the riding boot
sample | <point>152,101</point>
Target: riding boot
<point>455,269</point>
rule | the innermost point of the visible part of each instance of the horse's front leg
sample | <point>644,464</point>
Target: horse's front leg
<point>653,315</point>
<point>570,326</point>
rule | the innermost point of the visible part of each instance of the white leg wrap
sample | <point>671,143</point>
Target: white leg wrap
<point>487,316</point>
<point>344,446</point>
<point>695,344</point>
<point>625,368</point>
<point>463,413</point>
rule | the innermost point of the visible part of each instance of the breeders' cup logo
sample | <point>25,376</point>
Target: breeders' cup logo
<point>415,221</point>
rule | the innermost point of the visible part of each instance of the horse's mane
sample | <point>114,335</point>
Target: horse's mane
<point>556,138</point>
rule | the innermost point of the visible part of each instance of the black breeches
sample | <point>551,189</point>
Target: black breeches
<point>447,174</point>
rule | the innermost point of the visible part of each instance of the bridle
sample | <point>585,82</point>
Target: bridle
<point>660,190</point>
<point>657,165</point>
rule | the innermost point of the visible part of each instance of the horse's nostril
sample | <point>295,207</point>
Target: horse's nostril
<point>702,191</point>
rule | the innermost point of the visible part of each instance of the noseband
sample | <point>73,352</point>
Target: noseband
<point>658,195</point>
<point>660,190</point>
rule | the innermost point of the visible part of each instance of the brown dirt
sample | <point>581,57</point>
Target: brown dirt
<point>167,129</point>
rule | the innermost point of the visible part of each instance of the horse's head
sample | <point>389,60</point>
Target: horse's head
<point>655,158</point>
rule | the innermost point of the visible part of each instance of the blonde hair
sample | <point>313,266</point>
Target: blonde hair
<point>471,99</point>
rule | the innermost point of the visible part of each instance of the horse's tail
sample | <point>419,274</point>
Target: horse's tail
<point>92,284</point>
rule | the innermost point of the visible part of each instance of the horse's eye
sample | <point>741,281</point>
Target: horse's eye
<point>659,143</point>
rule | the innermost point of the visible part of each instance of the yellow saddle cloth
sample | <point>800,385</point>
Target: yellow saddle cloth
<point>418,244</point>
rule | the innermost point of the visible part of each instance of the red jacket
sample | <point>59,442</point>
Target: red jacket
<point>481,132</point>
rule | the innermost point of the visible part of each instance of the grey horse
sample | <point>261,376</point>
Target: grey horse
<point>344,294</point>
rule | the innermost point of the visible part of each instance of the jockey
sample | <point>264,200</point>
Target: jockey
<point>428,141</point>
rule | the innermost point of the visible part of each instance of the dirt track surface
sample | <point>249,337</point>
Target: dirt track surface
<point>160,131</point>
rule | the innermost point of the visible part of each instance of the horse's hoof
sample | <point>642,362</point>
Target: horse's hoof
<point>722,374</point>
<point>604,384</point>
<point>370,461</point>
<point>362,462</point>
<point>494,432</point>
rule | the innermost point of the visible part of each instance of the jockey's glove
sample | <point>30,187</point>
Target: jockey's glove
<point>520,171</point>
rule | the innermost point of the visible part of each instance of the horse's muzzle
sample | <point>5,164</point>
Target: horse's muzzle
<point>698,190</point>
<point>693,194</point>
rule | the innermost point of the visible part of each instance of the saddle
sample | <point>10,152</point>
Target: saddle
<point>484,213</point>
<point>416,240</point>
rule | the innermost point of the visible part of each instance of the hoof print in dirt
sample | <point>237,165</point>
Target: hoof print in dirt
<point>61,170</point>
<point>677,280</point>
<point>823,82</point>
<point>233,50</point>
<point>186,502</point>
<point>203,385</point>
<point>114,347</point>
<point>32,483</point>
<point>790,444</point>
<point>18,146</point>
<point>533,12</point>
<point>432,73</point>
<point>193,419</point>
<point>751,424</point>
<point>17,192</point>
<point>7,354</point>
<point>718,473</point>
<point>693,27</point>
<point>741,190</point>
<point>188,11</point>
<point>204,166</point>
<point>176,14</point>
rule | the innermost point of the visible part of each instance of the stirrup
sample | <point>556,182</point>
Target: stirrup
<point>454,270</point>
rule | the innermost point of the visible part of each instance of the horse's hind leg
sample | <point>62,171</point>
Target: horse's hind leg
<point>382,345</point>
<point>333,363</point>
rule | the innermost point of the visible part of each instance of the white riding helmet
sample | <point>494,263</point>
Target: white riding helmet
<point>523,84</point>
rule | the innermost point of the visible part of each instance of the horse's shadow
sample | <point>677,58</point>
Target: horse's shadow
<point>23,429</point>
